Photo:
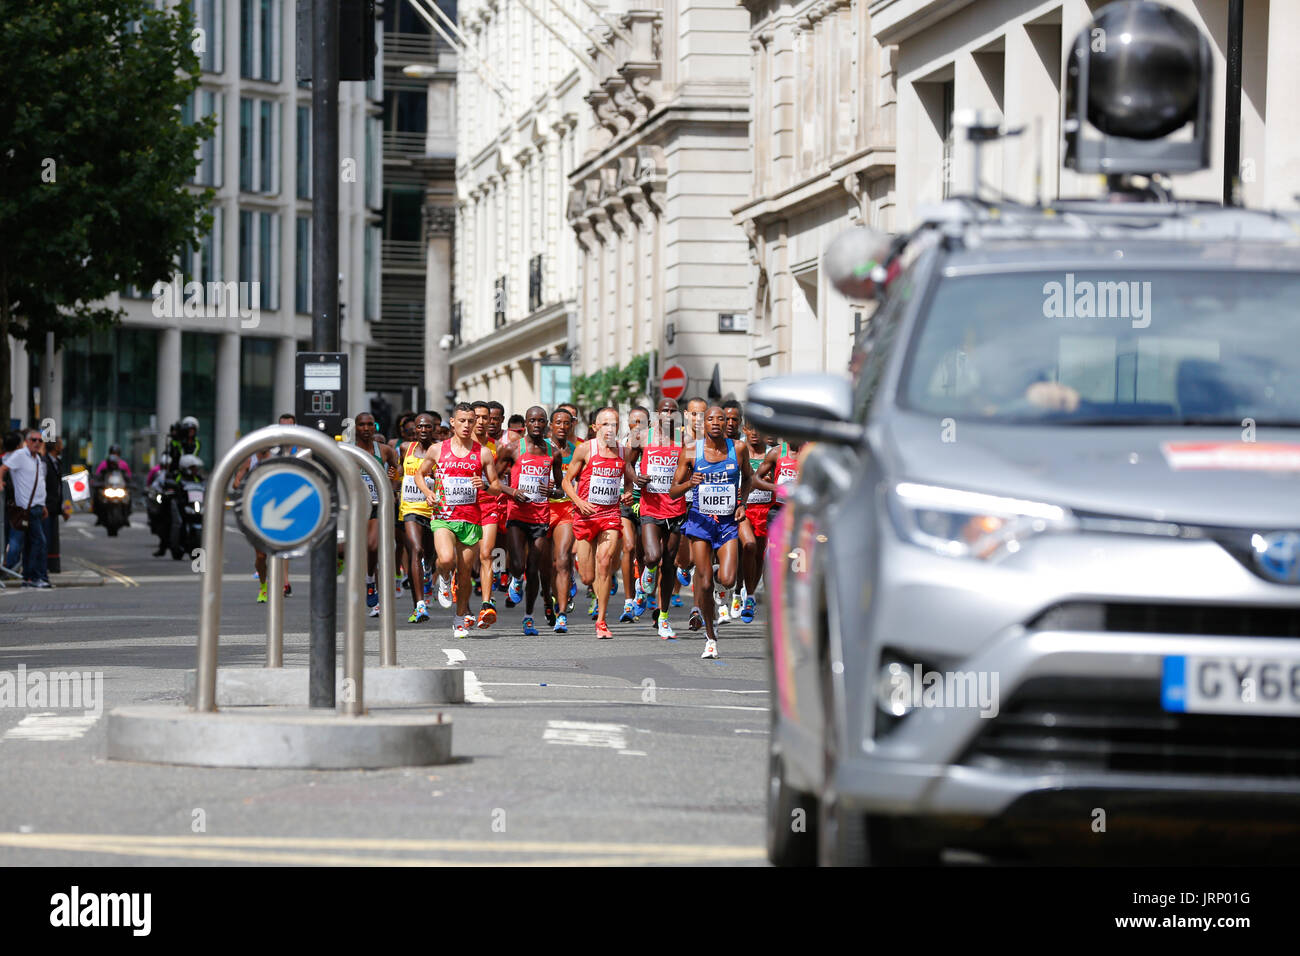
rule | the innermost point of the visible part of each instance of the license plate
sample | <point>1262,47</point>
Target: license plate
<point>1231,685</point>
<point>196,496</point>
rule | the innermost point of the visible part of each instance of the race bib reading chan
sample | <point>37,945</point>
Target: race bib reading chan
<point>459,490</point>
<point>717,499</point>
<point>604,489</point>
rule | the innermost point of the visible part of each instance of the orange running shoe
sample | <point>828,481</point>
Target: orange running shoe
<point>487,615</point>
<point>602,631</point>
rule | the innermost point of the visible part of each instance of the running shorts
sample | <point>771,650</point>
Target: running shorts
<point>757,515</point>
<point>493,510</point>
<point>669,525</point>
<point>631,512</point>
<point>716,531</point>
<point>588,529</point>
<point>562,512</point>
<point>466,532</point>
<point>534,529</point>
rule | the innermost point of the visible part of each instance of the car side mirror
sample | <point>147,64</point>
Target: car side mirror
<point>807,407</point>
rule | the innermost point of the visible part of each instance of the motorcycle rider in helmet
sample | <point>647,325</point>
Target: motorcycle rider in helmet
<point>184,441</point>
<point>113,462</point>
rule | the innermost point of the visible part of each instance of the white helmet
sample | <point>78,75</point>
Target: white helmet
<point>191,461</point>
<point>189,421</point>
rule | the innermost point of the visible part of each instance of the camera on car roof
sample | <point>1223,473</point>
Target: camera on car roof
<point>1138,93</point>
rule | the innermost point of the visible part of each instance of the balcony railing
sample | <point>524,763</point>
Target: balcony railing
<point>403,48</point>
<point>397,142</point>
<point>401,254</point>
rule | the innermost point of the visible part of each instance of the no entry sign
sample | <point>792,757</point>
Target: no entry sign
<point>673,384</point>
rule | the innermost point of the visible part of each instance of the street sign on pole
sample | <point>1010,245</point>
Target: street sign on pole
<point>673,384</point>
<point>284,507</point>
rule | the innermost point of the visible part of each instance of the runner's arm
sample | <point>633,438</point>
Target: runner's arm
<point>746,478</point>
<point>425,470</point>
<point>576,464</point>
<point>489,463</point>
<point>685,477</point>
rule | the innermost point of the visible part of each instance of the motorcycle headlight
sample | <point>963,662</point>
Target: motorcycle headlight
<point>197,507</point>
<point>967,524</point>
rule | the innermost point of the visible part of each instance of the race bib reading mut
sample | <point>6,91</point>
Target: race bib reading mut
<point>411,491</point>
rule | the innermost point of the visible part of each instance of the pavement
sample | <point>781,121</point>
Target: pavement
<point>569,751</point>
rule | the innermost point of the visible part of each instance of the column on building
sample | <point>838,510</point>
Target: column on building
<point>1282,117</point>
<point>227,417</point>
<point>439,223</point>
<point>286,350</point>
<point>169,378</point>
<point>1033,98</point>
<point>20,381</point>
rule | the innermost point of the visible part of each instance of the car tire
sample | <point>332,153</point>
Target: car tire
<point>841,833</point>
<point>787,845</point>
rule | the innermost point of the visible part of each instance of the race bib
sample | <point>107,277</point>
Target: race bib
<point>411,492</point>
<point>759,497</point>
<point>534,486</point>
<point>661,478</point>
<point>605,489</point>
<point>370,486</point>
<point>717,499</point>
<point>787,476</point>
<point>458,490</point>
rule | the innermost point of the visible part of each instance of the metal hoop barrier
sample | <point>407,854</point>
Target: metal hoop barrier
<point>387,570</point>
<point>354,510</point>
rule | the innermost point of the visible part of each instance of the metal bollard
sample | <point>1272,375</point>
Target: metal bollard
<point>275,611</point>
<point>386,570</point>
<point>354,509</point>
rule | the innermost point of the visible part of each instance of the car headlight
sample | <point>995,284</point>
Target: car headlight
<point>968,524</point>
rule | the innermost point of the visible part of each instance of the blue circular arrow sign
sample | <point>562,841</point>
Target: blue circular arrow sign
<point>285,506</point>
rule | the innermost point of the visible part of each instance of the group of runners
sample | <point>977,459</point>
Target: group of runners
<point>674,501</point>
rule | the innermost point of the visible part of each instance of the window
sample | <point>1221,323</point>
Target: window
<point>204,263</point>
<point>259,238</point>
<point>259,136</point>
<point>302,266</point>
<point>209,34</point>
<point>259,40</point>
<point>372,274</point>
<point>553,386</point>
<point>204,103</point>
<point>304,152</point>
<point>256,383</point>
<point>535,283</point>
<point>499,302</point>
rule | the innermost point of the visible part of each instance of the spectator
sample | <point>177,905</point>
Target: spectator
<point>27,467</point>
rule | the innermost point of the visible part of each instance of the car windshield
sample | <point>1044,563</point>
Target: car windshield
<point>1113,347</point>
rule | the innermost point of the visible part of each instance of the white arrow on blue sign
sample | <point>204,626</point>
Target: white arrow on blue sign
<point>284,505</point>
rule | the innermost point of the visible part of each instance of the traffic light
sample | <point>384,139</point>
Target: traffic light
<point>357,47</point>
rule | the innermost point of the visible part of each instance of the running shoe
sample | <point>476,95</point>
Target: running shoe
<point>737,604</point>
<point>503,582</point>
<point>724,613</point>
<point>592,607</point>
<point>676,601</point>
<point>641,602</point>
<point>602,631</point>
<point>514,592</point>
<point>487,615</point>
<point>469,623</point>
<point>747,612</point>
<point>561,624</point>
<point>288,589</point>
<point>261,594</point>
<point>665,629</point>
<point>652,601</point>
<point>372,595</point>
<point>460,627</point>
<point>549,611</point>
<point>573,589</point>
<point>373,612</point>
<point>397,591</point>
<point>683,578</point>
<point>530,629</point>
<point>428,586</point>
<point>613,584</point>
<point>629,612</point>
<point>419,615</point>
<point>444,592</point>
<point>697,619</point>
<point>710,651</point>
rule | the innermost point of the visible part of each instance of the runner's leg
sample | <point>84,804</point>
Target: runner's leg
<point>608,545</point>
<point>702,584</point>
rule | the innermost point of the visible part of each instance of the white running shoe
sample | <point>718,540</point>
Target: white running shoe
<point>444,592</point>
<point>710,651</point>
<point>724,613</point>
<point>666,630</point>
<point>458,627</point>
<point>373,612</point>
<point>737,604</point>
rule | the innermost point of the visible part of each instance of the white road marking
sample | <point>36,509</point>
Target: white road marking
<point>473,689</point>
<point>51,726</point>
<point>576,733</point>
<point>708,690</point>
<point>545,702</point>
<point>741,730</point>
<point>84,533</point>
<point>632,753</point>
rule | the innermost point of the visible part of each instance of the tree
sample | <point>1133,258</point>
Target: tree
<point>94,157</point>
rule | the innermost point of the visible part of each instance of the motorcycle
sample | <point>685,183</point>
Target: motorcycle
<point>185,499</point>
<point>113,503</point>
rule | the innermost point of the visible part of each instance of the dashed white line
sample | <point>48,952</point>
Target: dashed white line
<point>473,689</point>
<point>575,733</point>
<point>51,726</point>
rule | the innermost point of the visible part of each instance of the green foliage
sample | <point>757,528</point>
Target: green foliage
<point>611,386</point>
<point>94,157</point>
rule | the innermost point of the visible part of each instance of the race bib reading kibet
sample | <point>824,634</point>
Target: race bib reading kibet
<point>717,499</point>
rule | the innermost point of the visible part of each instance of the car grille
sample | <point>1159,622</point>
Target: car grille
<point>1223,620</point>
<point>1073,724</point>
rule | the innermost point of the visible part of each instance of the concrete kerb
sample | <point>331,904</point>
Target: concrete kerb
<point>265,737</point>
<point>287,686</point>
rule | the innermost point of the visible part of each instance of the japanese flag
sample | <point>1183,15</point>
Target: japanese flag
<point>79,485</point>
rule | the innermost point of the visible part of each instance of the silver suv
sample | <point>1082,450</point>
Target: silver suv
<point>1042,565</point>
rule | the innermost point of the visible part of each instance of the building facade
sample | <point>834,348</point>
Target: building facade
<point>822,139</point>
<point>662,268</point>
<point>1007,60</point>
<point>519,96</point>
<point>170,357</point>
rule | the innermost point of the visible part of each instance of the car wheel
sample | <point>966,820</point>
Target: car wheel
<point>841,833</point>
<point>791,818</point>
